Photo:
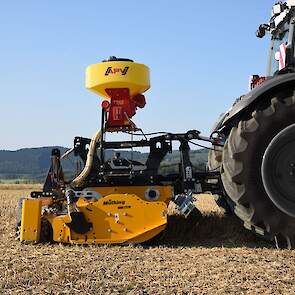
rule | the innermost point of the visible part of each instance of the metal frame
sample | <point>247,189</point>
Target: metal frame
<point>187,179</point>
<point>109,173</point>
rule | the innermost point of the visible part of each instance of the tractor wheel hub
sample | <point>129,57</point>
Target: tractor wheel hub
<point>278,170</point>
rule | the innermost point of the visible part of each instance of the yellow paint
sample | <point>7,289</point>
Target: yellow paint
<point>166,192</point>
<point>31,220</point>
<point>121,215</point>
<point>117,74</point>
<point>61,232</point>
<point>116,218</point>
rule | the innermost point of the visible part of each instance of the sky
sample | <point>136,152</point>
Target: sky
<point>200,55</point>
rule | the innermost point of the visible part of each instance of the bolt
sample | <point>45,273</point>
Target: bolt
<point>125,229</point>
<point>109,230</point>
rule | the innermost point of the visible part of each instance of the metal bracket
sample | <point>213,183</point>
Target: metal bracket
<point>185,203</point>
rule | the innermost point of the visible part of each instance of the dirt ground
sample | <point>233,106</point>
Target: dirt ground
<point>211,255</point>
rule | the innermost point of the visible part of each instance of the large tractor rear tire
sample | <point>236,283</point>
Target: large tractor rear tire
<point>258,169</point>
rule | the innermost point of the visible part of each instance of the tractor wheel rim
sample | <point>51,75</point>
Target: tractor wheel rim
<point>278,170</point>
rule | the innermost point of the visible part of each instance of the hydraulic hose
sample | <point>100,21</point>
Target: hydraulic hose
<point>78,181</point>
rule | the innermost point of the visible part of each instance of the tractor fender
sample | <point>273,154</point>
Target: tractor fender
<point>261,92</point>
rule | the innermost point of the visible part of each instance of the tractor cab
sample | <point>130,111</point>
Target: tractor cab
<point>279,43</point>
<point>281,28</point>
<point>282,51</point>
<point>282,40</point>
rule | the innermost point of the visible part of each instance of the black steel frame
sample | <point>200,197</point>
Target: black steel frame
<point>102,174</point>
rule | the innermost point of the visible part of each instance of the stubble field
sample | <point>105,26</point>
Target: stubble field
<point>212,255</point>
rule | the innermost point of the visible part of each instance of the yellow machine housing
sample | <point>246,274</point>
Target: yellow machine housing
<point>120,215</point>
<point>165,192</point>
<point>117,218</point>
<point>31,220</point>
<point>116,75</point>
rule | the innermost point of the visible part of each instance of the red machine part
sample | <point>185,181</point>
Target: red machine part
<point>121,108</point>
<point>255,81</point>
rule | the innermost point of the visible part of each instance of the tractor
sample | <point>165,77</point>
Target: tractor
<point>257,161</point>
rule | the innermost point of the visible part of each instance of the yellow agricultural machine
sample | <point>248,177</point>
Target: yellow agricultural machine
<point>117,199</point>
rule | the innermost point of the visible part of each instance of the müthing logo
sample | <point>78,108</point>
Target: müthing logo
<point>111,202</point>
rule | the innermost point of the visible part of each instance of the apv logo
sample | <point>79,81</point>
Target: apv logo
<point>113,71</point>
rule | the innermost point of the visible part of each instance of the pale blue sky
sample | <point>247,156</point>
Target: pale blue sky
<point>200,54</point>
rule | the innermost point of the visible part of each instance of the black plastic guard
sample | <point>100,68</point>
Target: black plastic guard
<point>79,223</point>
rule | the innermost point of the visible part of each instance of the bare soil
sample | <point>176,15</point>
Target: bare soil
<point>211,254</point>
